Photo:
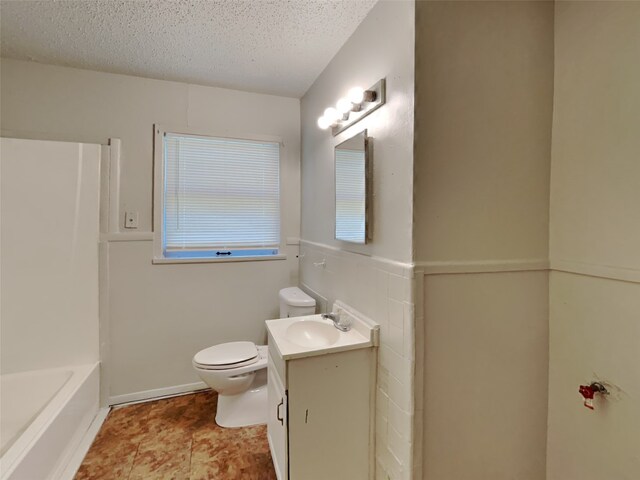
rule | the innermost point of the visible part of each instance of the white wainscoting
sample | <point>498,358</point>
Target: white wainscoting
<point>381,289</point>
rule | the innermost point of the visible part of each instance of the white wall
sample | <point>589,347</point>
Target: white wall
<point>381,47</point>
<point>58,103</point>
<point>50,207</point>
<point>377,279</point>
<point>594,240</point>
<point>160,315</point>
<point>484,86</point>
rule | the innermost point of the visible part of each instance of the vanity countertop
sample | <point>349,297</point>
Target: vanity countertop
<point>311,335</point>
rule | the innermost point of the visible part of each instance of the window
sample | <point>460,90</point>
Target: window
<point>218,198</point>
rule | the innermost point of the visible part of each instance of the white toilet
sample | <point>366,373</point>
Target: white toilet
<point>238,370</point>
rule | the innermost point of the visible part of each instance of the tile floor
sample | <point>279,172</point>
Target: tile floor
<point>177,439</point>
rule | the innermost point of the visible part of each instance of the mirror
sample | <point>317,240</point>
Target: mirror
<point>352,166</point>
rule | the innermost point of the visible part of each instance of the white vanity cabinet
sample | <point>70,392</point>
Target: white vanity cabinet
<point>277,420</point>
<point>321,406</point>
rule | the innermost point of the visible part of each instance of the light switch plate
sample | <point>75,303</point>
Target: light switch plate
<point>131,220</point>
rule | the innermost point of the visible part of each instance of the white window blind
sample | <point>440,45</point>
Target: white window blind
<point>350,195</point>
<point>220,193</point>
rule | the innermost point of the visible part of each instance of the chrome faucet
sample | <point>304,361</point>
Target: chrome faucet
<point>344,325</point>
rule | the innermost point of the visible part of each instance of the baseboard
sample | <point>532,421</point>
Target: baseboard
<point>157,393</point>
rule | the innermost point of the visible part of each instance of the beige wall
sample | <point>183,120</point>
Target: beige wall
<point>484,85</point>
<point>595,335</point>
<point>374,279</point>
<point>596,134</point>
<point>485,373</point>
<point>595,233</point>
<point>484,99</point>
<point>160,315</point>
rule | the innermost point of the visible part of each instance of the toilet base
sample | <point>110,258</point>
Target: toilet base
<point>244,409</point>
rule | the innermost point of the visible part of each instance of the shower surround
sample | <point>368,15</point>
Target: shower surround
<point>49,263</point>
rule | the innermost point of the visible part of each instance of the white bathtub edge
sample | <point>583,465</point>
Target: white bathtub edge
<point>68,469</point>
<point>47,441</point>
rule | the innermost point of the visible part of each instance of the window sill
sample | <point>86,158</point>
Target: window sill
<point>261,258</point>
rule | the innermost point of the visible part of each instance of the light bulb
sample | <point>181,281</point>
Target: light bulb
<point>331,114</point>
<point>323,123</point>
<point>356,95</point>
<point>343,106</point>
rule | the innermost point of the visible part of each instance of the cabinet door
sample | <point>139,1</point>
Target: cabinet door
<point>277,422</point>
<point>329,419</point>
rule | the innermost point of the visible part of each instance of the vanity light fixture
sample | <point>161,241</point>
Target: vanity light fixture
<point>357,104</point>
<point>323,123</point>
<point>344,106</point>
<point>331,115</point>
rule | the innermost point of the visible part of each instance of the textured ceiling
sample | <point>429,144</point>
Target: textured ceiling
<point>268,46</point>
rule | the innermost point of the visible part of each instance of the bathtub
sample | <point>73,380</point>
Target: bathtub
<point>43,415</point>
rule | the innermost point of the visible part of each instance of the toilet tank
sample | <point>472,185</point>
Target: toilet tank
<point>295,303</point>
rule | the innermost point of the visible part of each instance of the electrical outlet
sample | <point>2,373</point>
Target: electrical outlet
<point>131,220</point>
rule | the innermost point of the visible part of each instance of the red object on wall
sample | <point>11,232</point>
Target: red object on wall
<point>588,393</point>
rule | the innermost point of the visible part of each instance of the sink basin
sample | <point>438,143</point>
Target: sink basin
<point>312,333</point>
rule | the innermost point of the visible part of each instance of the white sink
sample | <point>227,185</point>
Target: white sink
<point>312,333</point>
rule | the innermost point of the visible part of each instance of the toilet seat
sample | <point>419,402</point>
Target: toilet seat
<point>225,367</point>
<point>227,356</point>
<point>255,364</point>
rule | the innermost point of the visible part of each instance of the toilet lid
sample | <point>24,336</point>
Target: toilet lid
<point>227,354</point>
